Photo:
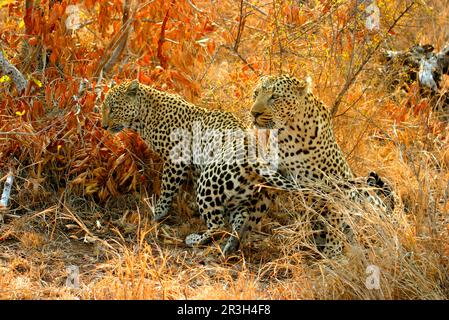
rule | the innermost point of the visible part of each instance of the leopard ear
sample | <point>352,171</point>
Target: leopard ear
<point>132,88</point>
<point>308,87</point>
<point>264,82</point>
<point>304,86</point>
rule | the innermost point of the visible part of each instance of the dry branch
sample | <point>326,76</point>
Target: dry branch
<point>351,81</point>
<point>242,20</point>
<point>160,42</point>
<point>194,7</point>
<point>7,68</point>
<point>235,48</point>
<point>256,8</point>
<point>117,45</point>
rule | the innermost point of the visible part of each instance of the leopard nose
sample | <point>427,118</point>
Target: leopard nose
<point>256,114</point>
<point>105,126</point>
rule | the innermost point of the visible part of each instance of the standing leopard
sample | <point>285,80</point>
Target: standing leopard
<point>309,151</point>
<point>228,175</point>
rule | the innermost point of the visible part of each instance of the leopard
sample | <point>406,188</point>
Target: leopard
<point>213,144</point>
<point>308,150</point>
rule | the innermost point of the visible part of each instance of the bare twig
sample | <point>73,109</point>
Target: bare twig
<point>277,35</point>
<point>88,234</point>
<point>242,58</point>
<point>18,133</point>
<point>242,19</point>
<point>117,44</point>
<point>256,8</point>
<point>194,7</point>
<point>351,80</point>
<point>7,68</point>
<point>160,42</point>
<point>235,48</point>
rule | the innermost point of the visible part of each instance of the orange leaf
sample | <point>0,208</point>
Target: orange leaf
<point>48,100</point>
<point>144,78</point>
<point>54,56</point>
<point>32,41</point>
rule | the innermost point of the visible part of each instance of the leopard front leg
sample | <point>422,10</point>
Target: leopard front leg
<point>383,190</point>
<point>247,217</point>
<point>260,209</point>
<point>239,222</point>
<point>173,176</point>
<point>213,216</point>
<point>333,246</point>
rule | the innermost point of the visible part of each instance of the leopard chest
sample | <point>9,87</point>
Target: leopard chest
<point>315,156</point>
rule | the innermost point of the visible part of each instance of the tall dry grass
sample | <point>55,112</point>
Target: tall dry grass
<point>55,222</point>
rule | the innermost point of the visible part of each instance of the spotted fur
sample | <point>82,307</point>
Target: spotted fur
<point>309,150</point>
<point>226,189</point>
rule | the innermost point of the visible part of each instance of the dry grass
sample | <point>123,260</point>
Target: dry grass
<point>88,203</point>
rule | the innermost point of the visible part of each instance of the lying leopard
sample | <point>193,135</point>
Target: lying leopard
<point>214,144</point>
<point>309,151</point>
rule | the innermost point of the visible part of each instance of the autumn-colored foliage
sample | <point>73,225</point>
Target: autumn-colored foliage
<point>88,191</point>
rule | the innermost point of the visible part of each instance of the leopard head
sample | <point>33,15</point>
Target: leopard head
<point>121,107</point>
<point>277,99</point>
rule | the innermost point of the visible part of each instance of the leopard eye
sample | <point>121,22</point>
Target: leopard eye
<point>273,98</point>
<point>255,94</point>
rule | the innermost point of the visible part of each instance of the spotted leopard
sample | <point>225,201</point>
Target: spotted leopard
<point>214,144</point>
<point>308,151</point>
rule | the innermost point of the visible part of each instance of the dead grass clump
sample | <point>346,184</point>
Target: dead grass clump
<point>409,266</point>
